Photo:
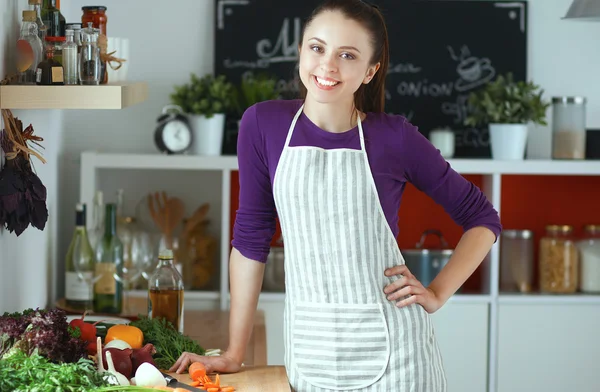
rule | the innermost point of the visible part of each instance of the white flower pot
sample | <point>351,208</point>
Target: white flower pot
<point>508,141</point>
<point>208,134</point>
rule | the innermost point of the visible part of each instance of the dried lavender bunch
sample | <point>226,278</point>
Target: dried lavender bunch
<point>22,194</point>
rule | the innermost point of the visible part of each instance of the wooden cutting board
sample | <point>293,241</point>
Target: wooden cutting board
<point>251,379</point>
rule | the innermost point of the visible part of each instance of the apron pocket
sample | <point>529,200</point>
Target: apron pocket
<point>340,346</point>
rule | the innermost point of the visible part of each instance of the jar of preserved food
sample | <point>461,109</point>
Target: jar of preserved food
<point>558,260</point>
<point>95,14</point>
<point>589,251</point>
<point>568,128</point>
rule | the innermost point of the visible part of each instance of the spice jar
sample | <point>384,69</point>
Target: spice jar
<point>589,252</point>
<point>568,128</point>
<point>558,260</point>
<point>89,57</point>
<point>96,15</point>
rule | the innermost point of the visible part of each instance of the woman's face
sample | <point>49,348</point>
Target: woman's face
<point>335,58</point>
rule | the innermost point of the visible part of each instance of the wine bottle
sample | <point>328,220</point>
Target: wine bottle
<point>79,265</point>
<point>108,289</point>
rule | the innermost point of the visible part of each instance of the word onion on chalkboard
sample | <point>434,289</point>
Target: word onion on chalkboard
<point>440,51</point>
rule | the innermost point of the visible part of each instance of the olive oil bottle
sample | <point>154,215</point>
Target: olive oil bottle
<point>108,289</point>
<point>165,292</point>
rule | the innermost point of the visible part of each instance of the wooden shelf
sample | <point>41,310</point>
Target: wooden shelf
<point>548,299</point>
<point>105,96</point>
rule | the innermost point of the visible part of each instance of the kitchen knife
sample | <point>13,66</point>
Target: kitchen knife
<point>174,383</point>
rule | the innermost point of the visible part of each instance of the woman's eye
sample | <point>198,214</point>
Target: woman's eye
<point>316,48</point>
<point>348,56</point>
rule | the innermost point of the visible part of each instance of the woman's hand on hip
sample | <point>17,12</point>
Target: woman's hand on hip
<point>222,364</point>
<point>408,285</point>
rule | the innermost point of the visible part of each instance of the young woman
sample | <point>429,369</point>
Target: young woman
<point>334,167</point>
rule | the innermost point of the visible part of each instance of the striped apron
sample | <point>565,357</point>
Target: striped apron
<point>340,331</point>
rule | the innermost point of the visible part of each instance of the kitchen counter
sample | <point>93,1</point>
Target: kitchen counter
<point>210,328</point>
<point>251,379</point>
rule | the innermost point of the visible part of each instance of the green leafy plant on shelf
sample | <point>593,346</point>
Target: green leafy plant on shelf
<point>207,95</point>
<point>254,89</point>
<point>506,101</point>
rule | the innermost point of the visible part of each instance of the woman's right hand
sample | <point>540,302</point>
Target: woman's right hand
<point>222,364</point>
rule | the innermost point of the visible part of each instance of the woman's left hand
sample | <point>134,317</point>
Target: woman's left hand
<point>408,285</point>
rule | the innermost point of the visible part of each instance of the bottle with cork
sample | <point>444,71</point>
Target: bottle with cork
<point>165,291</point>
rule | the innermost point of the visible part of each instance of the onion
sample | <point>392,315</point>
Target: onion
<point>117,343</point>
<point>141,355</point>
<point>147,375</point>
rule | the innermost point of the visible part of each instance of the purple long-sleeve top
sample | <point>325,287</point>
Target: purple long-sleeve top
<point>398,153</point>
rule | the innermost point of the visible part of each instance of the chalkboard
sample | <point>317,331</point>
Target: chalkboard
<point>440,51</point>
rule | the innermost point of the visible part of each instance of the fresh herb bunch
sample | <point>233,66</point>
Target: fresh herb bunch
<point>23,372</point>
<point>207,95</point>
<point>507,101</point>
<point>167,341</point>
<point>45,332</point>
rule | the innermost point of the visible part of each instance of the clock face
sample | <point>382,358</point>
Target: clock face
<point>176,136</point>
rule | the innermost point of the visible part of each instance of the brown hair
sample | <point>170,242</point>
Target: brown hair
<point>369,97</point>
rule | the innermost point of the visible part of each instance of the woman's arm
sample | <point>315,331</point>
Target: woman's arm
<point>466,204</point>
<point>252,234</point>
<point>246,278</point>
<point>470,251</point>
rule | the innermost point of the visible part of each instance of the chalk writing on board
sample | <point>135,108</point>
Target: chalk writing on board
<point>472,71</point>
<point>403,68</point>
<point>520,7</point>
<point>285,49</point>
<point>221,10</point>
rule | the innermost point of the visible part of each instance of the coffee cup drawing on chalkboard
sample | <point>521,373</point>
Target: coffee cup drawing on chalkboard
<point>472,71</point>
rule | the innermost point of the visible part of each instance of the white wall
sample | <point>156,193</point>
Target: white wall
<point>564,58</point>
<point>27,276</point>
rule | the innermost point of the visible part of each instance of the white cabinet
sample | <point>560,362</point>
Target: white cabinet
<point>490,342</point>
<point>549,347</point>
<point>462,332</point>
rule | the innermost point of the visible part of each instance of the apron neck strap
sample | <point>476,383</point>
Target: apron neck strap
<point>299,112</point>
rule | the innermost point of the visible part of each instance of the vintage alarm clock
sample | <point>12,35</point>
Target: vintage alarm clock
<point>173,134</point>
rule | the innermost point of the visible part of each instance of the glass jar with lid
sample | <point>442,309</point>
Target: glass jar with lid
<point>558,260</point>
<point>516,260</point>
<point>568,127</point>
<point>589,251</point>
<point>95,14</point>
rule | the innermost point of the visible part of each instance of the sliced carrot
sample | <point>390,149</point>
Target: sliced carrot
<point>195,383</point>
<point>197,371</point>
<point>211,385</point>
<point>227,389</point>
<point>217,380</point>
<point>180,390</point>
<point>212,390</point>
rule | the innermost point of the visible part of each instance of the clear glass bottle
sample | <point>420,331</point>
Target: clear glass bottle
<point>29,49</point>
<point>49,72</point>
<point>79,265</point>
<point>108,289</point>
<point>568,128</point>
<point>558,260</point>
<point>36,5</point>
<point>165,292</point>
<point>589,250</point>
<point>69,57</point>
<point>89,58</point>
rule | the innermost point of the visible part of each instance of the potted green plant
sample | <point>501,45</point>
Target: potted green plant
<point>507,107</point>
<point>206,100</point>
<point>254,89</point>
